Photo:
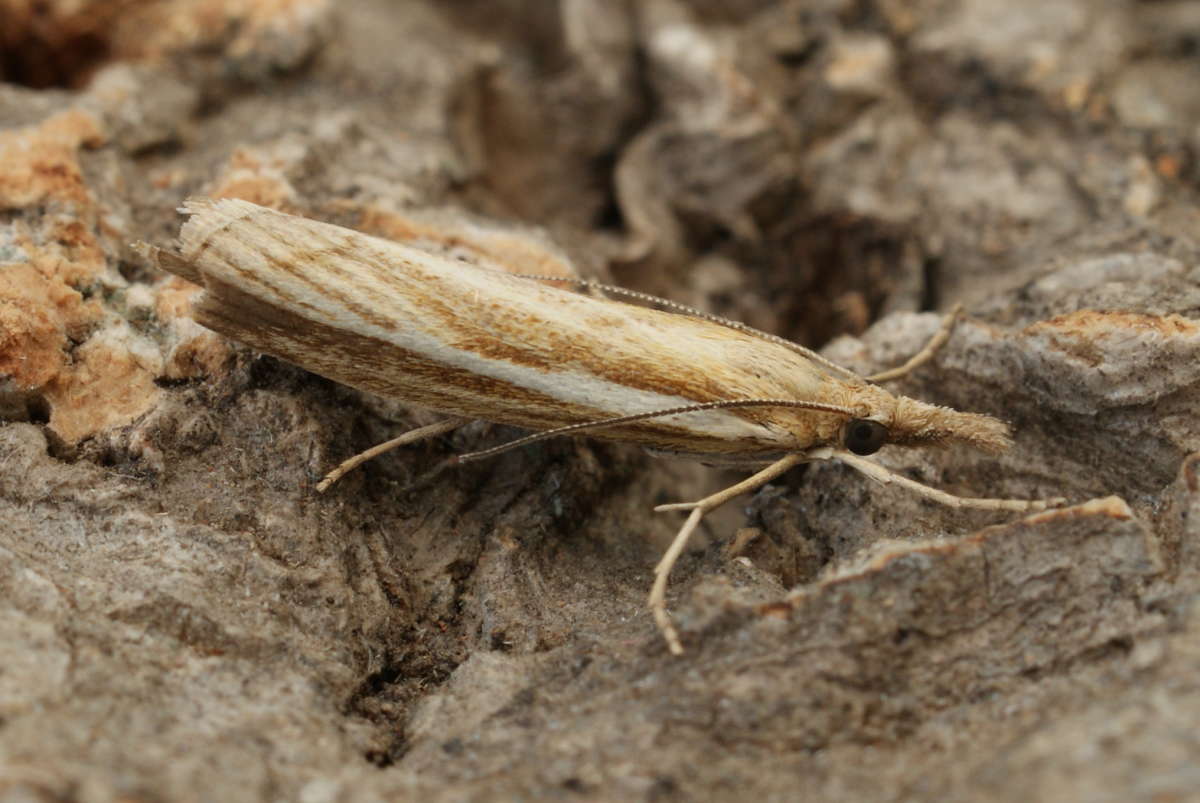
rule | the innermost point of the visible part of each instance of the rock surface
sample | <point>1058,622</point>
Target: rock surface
<point>182,617</point>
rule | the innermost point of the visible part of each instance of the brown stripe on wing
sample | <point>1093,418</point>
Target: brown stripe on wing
<point>323,269</point>
<point>497,337</point>
<point>304,265</point>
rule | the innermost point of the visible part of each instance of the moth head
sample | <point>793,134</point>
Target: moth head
<point>915,423</point>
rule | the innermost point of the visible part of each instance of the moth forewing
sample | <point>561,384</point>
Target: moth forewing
<point>478,343</point>
<point>469,341</point>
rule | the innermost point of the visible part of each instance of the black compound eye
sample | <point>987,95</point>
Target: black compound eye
<point>864,437</point>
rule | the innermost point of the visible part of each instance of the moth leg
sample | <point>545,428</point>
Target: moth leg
<point>927,351</point>
<point>886,477</point>
<point>412,436</point>
<point>658,592</point>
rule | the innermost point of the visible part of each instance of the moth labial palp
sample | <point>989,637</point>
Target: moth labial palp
<point>484,341</point>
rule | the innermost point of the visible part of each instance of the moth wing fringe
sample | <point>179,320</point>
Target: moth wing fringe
<point>208,216</point>
<point>169,261</point>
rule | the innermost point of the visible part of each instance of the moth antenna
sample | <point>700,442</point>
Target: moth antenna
<point>926,353</point>
<point>628,419</point>
<point>692,312</point>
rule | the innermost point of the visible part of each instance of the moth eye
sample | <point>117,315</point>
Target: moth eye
<point>864,437</point>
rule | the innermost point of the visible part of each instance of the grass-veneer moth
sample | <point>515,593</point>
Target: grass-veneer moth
<point>476,342</point>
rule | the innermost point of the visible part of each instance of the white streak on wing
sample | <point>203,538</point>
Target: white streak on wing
<point>566,385</point>
<point>573,387</point>
<point>578,388</point>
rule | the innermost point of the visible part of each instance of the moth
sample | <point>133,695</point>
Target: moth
<point>475,340</point>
